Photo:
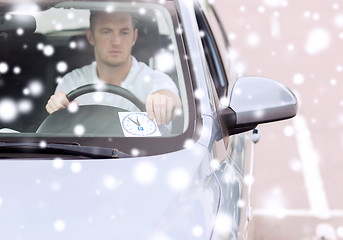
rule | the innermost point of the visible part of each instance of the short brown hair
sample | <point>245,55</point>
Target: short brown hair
<point>94,14</point>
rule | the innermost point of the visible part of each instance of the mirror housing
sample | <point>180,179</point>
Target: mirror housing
<point>256,100</point>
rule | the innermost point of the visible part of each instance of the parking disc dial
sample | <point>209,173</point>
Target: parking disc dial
<point>137,124</point>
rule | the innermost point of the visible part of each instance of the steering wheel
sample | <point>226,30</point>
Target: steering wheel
<point>89,116</point>
<point>106,88</point>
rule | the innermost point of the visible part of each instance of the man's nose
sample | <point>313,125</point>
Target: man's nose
<point>115,39</point>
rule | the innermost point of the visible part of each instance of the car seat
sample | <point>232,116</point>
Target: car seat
<point>26,72</point>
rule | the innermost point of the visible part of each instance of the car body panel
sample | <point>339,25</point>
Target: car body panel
<point>105,198</point>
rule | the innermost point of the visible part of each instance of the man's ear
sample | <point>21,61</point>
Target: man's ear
<point>90,37</point>
<point>135,36</point>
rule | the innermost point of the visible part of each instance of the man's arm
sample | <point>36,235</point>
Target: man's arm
<point>161,105</point>
<point>57,101</point>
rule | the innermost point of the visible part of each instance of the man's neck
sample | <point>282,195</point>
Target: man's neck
<point>115,75</point>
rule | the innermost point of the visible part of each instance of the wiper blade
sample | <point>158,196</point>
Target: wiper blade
<point>86,151</point>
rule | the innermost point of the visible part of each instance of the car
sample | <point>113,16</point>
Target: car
<point>102,172</point>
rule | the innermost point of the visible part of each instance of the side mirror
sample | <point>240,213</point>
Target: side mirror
<point>256,100</point>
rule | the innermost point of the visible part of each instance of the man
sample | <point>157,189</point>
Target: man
<point>113,35</point>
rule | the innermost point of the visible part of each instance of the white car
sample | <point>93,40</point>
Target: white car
<point>104,172</point>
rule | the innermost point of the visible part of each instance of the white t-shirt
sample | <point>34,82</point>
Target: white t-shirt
<point>141,81</point>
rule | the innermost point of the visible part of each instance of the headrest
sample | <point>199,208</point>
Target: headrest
<point>13,23</point>
<point>148,41</point>
<point>28,43</point>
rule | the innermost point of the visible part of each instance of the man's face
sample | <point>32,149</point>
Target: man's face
<point>112,36</point>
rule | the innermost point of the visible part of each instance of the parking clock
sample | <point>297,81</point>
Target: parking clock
<point>137,124</point>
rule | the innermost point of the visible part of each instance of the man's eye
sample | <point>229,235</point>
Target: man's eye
<point>125,33</point>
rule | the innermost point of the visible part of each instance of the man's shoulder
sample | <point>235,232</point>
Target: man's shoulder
<point>76,78</point>
<point>143,68</point>
<point>86,70</point>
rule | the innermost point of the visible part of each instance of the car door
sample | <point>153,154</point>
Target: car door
<point>232,154</point>
<point>216,48</point>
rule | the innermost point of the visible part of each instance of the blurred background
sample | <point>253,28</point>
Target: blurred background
<point>298,169</point>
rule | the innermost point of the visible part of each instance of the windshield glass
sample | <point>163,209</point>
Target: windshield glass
<point>92,70</point>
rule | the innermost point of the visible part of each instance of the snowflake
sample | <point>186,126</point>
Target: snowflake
<point>197,231</point>
<point>318,40</point>
<point>298,79</point>
<point>8,110</point>
<point>178,179</point>
<point>59,225</point>
<point>48,50</point>
<point>3,67</point>
<point>58,163</point>
<point>62,67</point>
<point>76,167</point>
<point>79,130</point>
<point>145,173</point>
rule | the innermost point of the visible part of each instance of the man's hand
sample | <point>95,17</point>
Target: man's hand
<point>161,106</point>
<point>57,101</point>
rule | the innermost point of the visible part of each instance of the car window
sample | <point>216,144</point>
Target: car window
<point>216,46</point>
<point>40,48</point>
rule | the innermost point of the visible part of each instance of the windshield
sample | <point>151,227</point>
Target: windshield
<point>96,73</point>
